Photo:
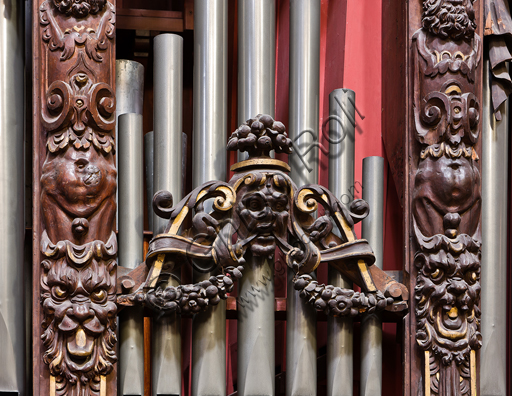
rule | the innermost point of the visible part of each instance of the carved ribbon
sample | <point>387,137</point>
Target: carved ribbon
<point>258,210</point>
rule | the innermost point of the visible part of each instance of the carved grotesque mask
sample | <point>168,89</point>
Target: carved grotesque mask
<point>80,312</point>
<point>449,18</point>
<point>262,211</point>
<point>447,294</point>
<point>79,8</point>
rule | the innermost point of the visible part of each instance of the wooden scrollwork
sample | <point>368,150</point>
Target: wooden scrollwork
<point>445,199</point>
<point>76,172</point>
<point>259,210</point>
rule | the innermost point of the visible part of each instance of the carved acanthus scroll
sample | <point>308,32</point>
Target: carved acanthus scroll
<point>77,177</point>
<point>446,201</point>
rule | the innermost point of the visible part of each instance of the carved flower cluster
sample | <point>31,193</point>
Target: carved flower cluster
<point>337,301</point>
<point>191,299</point>
<point>79,8</point>
<point>259,135</point>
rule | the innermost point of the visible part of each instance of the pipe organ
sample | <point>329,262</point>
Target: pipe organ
<point>152,251</point>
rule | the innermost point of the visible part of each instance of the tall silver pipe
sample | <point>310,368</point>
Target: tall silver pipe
<point>256,59</point>
<point>168,114</point>
<point>256,345</point>
<point>209,158</point>
<point>341,183</point>
<point>131,248</point>
<point>129,87</point>
<point>129,95</point>
<point>493,374</point>
<point>372,230</point>
<point>256,95</point>
<point>149,163</point>
<point>303,130</point>
<point>12,188</point>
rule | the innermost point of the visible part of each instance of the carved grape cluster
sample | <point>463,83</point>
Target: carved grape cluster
<point>192,298</point>
<point>337,301</point>
<point>259,135</point>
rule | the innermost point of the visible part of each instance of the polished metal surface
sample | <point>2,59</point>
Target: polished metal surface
<point>167,122</point>
<point>341,183</point>
<point>149,162</point>
<point>12,189</point>
<point>495,164</point>
<point>256,329</point>
<point>256,59</point>
<point>131,248</point>
<point>373,231</point>
<point>209,159</point>
<point>129,87</point>
<point>129,96</point>
<point>256,87</point>
<point>303,131</point>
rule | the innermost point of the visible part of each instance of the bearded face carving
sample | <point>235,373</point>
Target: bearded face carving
<point>79,8</point>
<point>453,19</point>
<point>80,322</point>
<point>263,211</point>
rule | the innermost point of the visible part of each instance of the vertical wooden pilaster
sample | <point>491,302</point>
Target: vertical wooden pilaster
<point>436,155</point>
<point>75,248</point>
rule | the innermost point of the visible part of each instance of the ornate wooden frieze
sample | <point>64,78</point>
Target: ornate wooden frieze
<point>444,196</point>
<point>258,210</point>
<point>75,244</point>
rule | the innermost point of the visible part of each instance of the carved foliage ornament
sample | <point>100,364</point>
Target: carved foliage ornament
<point>78,186</point>
<point>258,210</point>
<point>446,197</point>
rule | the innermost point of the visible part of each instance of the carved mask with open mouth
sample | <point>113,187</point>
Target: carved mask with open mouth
<point>79,325</point>
<point>262,211</point>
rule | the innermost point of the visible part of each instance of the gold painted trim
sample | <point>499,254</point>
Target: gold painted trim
<point>427,373</point>
<point>175,227</point>
<point>349,233</point>
<point>472,365</point>
<point>366,276</point>
<point>260,162</point>
<point>103,386</point>
<point>52,386</point>
<point>157,268</point>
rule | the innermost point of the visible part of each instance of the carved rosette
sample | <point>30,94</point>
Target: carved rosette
<point>76,171</point>
<point>445,198</point>
<point>258,211</point>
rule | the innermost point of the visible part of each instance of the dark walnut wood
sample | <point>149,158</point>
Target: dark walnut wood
<point>258,211</point>
<point>75,244</point>
<point>443,197</point>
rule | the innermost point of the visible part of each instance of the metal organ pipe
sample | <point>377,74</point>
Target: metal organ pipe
<point>256,59</point>
<point>341,183</point>
<point>131,248</point>
<point>372,230</point>
<point>303,130</point>
<point>256,92</point>
<point>149,163</point>
<point>12,189</point>
<point>168,113</point>
<point>209,158</point>
<point>493,374</point>
<point>129,94</point>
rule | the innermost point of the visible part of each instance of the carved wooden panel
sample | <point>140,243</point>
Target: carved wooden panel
<point>75,246</point>
<point>443,205</point>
